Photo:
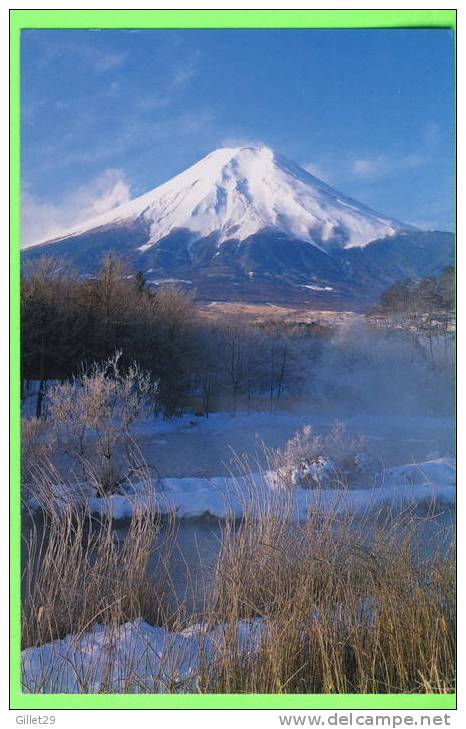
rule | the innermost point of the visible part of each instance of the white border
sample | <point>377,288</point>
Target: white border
<point>205,718</point>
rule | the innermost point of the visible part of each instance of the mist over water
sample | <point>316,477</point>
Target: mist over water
<point>362,369</point>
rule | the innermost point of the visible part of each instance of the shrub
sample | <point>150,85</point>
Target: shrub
<point>92,416</point>
<point>310,460</point>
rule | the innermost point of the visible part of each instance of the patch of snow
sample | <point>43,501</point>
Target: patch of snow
<point>132,658</point>
<point>222,496</point>
<point>316,288</point>
<point>158,281</point>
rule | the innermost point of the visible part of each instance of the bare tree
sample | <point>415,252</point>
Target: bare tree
<point>235,361</point>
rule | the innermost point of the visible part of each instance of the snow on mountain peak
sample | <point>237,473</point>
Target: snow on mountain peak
<point>235,192</point>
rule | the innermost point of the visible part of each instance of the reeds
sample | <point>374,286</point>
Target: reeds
<point>347,604</point>
<point>76,569</point>
<point>342,604</point>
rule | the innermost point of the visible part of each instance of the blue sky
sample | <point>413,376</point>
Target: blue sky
<point>108,115</point>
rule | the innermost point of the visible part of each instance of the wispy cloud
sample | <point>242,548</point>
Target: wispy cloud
<point>428,215</point>
<point>382,165</point>
<point>54,49</point>
<point>113,90</point>
<point>423,224</point>
<point>182,72</point>
<point>131,134</point>
<point>41,220</point>
<point>242,141</point>
<point>181,76</point>
<point>103,61</point>
<point>318,171</point>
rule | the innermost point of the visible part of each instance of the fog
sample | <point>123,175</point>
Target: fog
<point>362,369</point>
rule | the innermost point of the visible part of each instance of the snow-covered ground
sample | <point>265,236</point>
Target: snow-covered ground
<point>196,458</point>
<point>223,496</point>
<point>132,658</point>
<point>431,481</point>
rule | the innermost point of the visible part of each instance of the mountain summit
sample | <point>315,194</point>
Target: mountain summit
<point>244,222</point>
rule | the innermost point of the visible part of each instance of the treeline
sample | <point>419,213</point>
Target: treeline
<point>424,309</point>
<point>68,320</point>
<point>426,305</point>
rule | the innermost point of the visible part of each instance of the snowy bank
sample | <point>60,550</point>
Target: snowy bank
<point>132,658</point>
<point>418,483</point>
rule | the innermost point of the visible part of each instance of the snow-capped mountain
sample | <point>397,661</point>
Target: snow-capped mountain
<point>243,217</point>
<point>235,192</point>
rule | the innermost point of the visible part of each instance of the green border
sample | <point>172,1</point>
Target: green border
<point>21,19</point>
<point>232,19</point>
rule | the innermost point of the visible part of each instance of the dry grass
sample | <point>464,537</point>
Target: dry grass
<point>345,604</point>
<point>238,311</point>
<point>37,446</point>
<point>76,572</point>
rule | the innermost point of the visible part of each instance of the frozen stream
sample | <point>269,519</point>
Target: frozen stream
<point>204,447</point>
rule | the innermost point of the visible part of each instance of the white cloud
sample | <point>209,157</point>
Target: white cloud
<point>182,72</point>
<point>381,165</point>
<point>89,54</point>
<point>181,76</point>
<point>318,171</point>
<point>41,220</point>
<point>239,141</point>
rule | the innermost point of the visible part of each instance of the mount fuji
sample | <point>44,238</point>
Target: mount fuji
<point>247,224</point>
